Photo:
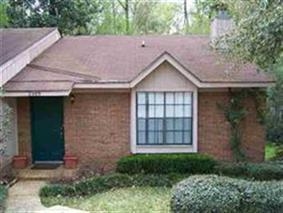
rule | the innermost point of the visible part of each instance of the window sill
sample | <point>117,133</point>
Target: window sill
<point>165,149</point>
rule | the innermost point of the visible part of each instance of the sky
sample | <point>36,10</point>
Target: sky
<point>190,3</point>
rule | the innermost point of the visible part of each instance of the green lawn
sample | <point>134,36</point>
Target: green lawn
<point>140,199</point>
<point>272,150</point>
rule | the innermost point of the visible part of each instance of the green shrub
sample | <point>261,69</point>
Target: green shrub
<point>166,164</point>
<point>3,195</point>
<point>104,183</point>
<point>260,171</point>
<point>214,193</point>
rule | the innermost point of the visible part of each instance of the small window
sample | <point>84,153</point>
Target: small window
<point>164,118</point>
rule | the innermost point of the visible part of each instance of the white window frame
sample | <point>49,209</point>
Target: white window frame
<point>164,148</point>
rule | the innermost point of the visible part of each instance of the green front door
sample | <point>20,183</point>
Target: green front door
<point>47,129</point>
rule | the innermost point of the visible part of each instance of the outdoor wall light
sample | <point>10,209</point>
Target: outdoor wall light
<point>72,98</point>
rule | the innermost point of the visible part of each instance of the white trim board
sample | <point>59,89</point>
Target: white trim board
<point>163,148</point>
<point>36,94</point>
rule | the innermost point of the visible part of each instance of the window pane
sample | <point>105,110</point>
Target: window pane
<point>159,111</point>
<point>179,124</point>
<point>187,123</point>
<point>169,98</point>
<point>159,98</point>
<point>169,111</point>
<point>179,111</point>
<point>169,124</point>
<point>141,111</point>
<point>188,111</point>
<point>141,98</point>
<point>141,124</point>
<point>151,110</point>
<point>151,124</point>
<point>187,98</point>
<point>187,137</point>
<point>159,124</point>
<point>177,128</point>
<point>170,137</point>
<point>151,97</point>
<point>159,137</point>
<point>178,137</point>
<point>179,98</point>
<point>151,137</point>
<point>141,137</point>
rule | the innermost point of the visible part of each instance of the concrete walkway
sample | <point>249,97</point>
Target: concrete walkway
<point>23,198</point>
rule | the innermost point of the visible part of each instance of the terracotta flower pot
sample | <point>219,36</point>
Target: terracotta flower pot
<point>20,162</point>
<point>70,162</point>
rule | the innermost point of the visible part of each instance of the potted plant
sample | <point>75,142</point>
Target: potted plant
<point>70,161</point>
<point>20,161</point>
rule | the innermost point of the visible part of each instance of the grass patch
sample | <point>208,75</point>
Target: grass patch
<point>273,151</point>
<point>135,199</point>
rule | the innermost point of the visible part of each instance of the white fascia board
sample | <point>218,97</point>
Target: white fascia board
<point>12,67</point>
<point>237,85</point>
<point>199,85</point>
<point>102,86</point>
<point>36,94</point>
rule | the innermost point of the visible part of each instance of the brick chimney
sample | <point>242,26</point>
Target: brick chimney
<point>220,25</point>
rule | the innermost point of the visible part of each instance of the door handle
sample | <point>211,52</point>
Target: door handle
<point>62,131</point>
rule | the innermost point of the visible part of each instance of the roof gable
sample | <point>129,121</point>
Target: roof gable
<point>165,57</point>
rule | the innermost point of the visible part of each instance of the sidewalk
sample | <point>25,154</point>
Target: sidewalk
<point>23,197</point>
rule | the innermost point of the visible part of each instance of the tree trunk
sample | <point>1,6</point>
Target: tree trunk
<point>52,7</point>
<point>127,16</point>
<point>125,6</point>
<point>186,20</point>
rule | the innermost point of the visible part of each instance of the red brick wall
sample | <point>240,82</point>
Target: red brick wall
<point>214,130</point>
<point>97,128</point>
<point>24,128</point>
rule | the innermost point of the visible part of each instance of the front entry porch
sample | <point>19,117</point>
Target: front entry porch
<point>46,174</point>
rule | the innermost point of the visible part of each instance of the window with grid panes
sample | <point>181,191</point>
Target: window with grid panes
<point>164,118</point>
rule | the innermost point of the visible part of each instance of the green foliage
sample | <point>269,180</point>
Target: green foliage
<point>107,182</point>
<point>222,194</point>
<point>70,16</point>
<point>3,195</point>
<point>258,35</point>
<point>274,121</point>
<point>211,7</point>
<point>260,171</point>
<point>235,113</point>
<point>5,127</point>
<point>153,17</point>
<point>166,164</point>
<point>273,151</point>
<point>3,15</point>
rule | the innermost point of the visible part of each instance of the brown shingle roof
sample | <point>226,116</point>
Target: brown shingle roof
<point>121,58</point>
<point>14,41</point>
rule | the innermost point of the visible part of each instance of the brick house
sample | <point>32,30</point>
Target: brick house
<point>103,97</point>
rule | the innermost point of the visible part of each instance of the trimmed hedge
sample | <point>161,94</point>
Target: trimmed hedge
<point>260,171</point>
<point>107,182</point>
<point>166,164</point>
<point>3,195</point>
<point>214,193</point>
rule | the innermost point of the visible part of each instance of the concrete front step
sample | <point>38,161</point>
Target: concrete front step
<point>40,174</point>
